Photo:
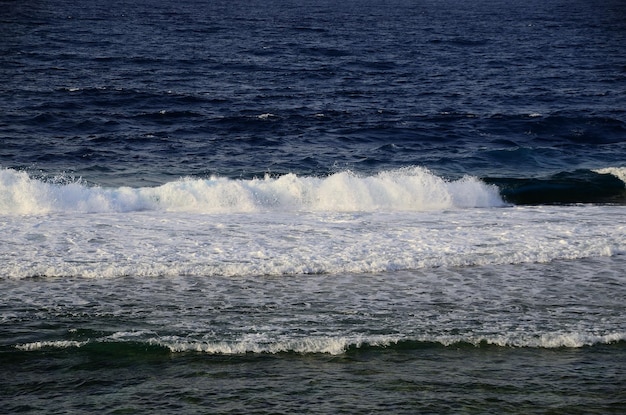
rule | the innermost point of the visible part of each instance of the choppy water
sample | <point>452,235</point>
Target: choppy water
<point>310,207</point>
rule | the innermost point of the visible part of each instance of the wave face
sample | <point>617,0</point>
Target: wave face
<point>409,189</point>
<point>580,186</point>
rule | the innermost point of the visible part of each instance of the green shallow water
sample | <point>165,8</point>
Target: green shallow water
<point>122,378</point>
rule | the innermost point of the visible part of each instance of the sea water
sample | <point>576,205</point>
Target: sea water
<point>311,207</point>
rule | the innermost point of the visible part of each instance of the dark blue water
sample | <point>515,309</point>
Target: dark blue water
<point>131,93</point>
<point>389,206</point>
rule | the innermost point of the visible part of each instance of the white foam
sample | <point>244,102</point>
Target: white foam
<point>155,243</point>
<point>410,189</point>
<point>544,340</point>
<point>254,344</point>
<point>59,344</point>
<point>266,116</point>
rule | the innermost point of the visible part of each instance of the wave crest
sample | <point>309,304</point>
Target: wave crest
<point>333,345</point>
<point>409,189</point>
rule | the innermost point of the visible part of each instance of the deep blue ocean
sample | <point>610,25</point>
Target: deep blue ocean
<point>277,207</point>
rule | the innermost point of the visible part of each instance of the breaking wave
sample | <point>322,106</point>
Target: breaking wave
<point>409,189</point>
<point>330,345</point>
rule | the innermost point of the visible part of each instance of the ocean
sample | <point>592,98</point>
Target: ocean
<point>317,207</point>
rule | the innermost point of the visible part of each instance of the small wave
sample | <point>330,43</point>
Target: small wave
<point>266,116</point>
<point>574,128</point>
<point>342,345</point>
<point>339,345</point>
<point>409,189</point>
<point>252,344</point>
<point>543,341</point>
